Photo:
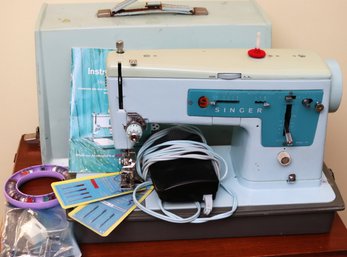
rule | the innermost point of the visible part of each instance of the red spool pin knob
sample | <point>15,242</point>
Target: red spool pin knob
<point>257,52</point>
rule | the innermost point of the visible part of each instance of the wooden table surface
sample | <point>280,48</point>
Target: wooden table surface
<point>333,243</point>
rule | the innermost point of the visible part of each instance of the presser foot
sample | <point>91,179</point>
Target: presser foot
<point>129,176</point>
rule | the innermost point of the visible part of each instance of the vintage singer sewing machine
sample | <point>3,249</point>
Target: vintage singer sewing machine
<point>275,108</point>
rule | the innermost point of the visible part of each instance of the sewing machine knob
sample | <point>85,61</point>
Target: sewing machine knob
<point>120,47</point>
<point>284,158</point>
<point>319,107</point>
<point>291,178</point>
<point>203,102</point>
<point>134,132</point>
<point>307,102</point>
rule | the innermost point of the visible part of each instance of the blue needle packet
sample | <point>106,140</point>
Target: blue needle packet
<point>81,191</point>
<point>104,216</point>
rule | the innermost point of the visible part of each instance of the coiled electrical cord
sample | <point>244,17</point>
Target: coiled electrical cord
<point>175,149</point>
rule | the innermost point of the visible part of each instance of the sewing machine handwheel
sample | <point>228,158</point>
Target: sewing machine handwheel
<point>336,85</point>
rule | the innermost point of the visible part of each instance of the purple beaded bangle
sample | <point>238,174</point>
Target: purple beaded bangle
<point>17,198</point>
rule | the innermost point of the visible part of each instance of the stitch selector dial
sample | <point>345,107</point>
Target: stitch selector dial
<point>284,158</point>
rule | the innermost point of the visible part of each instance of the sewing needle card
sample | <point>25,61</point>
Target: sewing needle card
<point>104,216</point>
<point>89,189</point>
<point>91,144</point>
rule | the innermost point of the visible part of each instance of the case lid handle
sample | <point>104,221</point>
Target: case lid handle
<point>155,7</point>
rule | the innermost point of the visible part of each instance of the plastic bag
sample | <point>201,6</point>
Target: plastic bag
<point>41,233</point>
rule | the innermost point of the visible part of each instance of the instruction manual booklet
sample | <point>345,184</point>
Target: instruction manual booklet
<point>91,144</point>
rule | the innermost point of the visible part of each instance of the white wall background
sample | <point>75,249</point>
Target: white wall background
<point>313,24</point>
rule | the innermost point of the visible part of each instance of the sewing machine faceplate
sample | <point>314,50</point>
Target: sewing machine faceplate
<point>295,109</point>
